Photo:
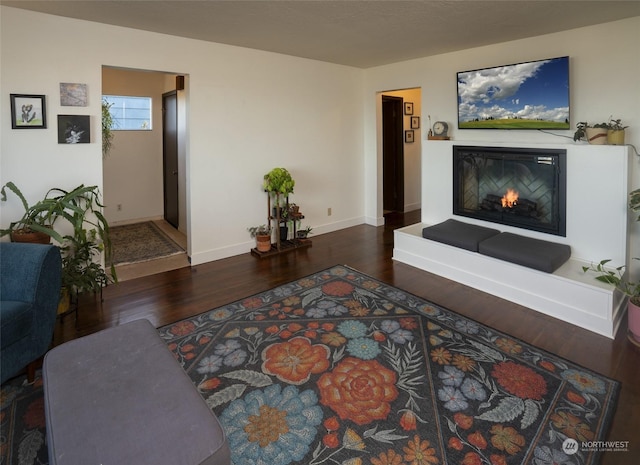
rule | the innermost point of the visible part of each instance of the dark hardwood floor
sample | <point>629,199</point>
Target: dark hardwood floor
<point>170,296</point>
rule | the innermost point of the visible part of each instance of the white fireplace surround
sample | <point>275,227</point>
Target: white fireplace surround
<point>597,228</point>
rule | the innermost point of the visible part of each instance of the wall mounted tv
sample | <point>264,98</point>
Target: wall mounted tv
<point>531,95</point>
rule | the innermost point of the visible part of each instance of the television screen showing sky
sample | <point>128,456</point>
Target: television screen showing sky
<point>537,90</point>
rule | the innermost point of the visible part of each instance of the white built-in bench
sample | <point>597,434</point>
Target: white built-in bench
<point>567,293</point>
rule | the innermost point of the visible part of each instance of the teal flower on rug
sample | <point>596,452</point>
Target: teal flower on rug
<point>273,426</point>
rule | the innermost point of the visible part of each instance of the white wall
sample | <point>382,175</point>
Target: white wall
<point>247,112</point>
<point>604,66</point>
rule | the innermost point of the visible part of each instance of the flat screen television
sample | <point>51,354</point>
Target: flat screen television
<point>531,95</point>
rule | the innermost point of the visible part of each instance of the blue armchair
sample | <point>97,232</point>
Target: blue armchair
<point>29,293</point>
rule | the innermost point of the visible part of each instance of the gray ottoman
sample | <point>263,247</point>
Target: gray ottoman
<point>119,397</point>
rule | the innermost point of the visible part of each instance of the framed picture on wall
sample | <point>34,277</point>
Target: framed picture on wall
<point>415,122</point>
<point>408,136</point>
<point>74,129</point>
<point>408,108</point>
<point>73,95</point>
<point>28,111</point>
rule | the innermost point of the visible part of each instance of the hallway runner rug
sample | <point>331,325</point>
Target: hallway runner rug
<point>140,242</point>
<point>339,368</point>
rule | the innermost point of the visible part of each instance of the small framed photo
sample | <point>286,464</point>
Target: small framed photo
<point>73,95</point>
<point>74,129</point>
<point>415,122</point>
<point>28,111</point>
<point>408,136</point>
<point>408,108</point>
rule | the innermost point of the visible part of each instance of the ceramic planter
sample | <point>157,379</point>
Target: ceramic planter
<point>615,137</point>
<point>596,136</point>
<point>263,242</point>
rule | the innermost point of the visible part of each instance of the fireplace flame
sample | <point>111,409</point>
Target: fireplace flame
<point>510,199</point>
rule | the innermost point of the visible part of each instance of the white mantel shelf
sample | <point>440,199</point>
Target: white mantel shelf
<point>597,229</point>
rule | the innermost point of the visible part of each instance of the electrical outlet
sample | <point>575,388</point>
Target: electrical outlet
<point>119,207</point>
<point>329,211</point>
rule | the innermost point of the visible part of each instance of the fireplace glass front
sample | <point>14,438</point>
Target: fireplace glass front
<point>522,187</point>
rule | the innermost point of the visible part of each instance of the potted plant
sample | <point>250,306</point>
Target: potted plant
<point>262,234</point>
<point>594,134</point>
<point>631,289</point>
<point>279,183</point>
<point>80,208</point>
<point>617,278</point>
<point>615,134</point>
<point>304,233</point>
<point>81,270</point>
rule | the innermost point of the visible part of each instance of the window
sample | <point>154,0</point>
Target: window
<point>130,113</point>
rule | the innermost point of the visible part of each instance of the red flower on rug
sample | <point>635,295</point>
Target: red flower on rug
<point>359,390</point>
<point>295,360</point>
<point>520,380</point>
<point>338,288</point>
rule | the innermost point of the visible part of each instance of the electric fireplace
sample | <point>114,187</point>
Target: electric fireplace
<point>521,187</point>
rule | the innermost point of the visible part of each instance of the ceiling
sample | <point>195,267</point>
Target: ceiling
<point>359,33</point>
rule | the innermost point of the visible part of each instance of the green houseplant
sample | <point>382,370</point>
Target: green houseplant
<point>278,181</point>
<point>108,124</point>
<point>594,134</point>
<point>262,235</point>
<point>82,247</point>
<point>620,280</point>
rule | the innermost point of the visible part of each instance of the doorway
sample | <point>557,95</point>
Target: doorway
<point>144,175</point>
<point>392,154</point>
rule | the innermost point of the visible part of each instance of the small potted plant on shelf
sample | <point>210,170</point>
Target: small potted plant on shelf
<point>262,235</point>
<point>615,134</point>
<point>304,233</point>
<point>595,134</point>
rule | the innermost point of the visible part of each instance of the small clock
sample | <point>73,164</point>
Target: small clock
<point>440,129</point>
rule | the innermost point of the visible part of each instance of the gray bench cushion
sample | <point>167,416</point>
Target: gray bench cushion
<point>120,397</point>
<point>526,251</point>
<point>458,234</point>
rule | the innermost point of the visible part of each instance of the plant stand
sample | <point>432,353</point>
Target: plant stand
<point>281,244</point>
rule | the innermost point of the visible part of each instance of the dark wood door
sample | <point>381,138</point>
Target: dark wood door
<point>170,156</point>
<point>392,154</point>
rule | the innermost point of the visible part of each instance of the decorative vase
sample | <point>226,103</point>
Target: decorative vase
<point>596,136</point>
<point>634,322</point>
<point>263,242</point>
<point>615,137</point>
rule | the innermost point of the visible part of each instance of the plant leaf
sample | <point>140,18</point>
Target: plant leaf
<point>226,395</point>
<point>507,409</point>
<point>252,378</point>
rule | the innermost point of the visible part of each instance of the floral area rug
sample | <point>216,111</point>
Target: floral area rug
<point>140,242</point>
<point>338,368</point>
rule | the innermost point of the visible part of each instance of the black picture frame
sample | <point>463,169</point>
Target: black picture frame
<point>28,111</point>
<point>408,108</point>
<point>74,129</point>
<point>415,122</point>
<point>409,136</point>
